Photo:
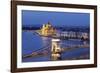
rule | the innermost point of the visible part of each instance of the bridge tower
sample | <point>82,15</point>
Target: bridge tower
<point>55,50</point>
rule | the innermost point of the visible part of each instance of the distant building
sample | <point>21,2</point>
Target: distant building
<point>85,36</point>
<point>47,29</point>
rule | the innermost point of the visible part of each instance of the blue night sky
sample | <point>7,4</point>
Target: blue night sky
<point>37,18</point>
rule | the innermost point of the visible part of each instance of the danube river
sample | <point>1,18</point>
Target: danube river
<point>31,42</point>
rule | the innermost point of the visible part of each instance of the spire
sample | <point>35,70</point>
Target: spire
<point>49,23</point>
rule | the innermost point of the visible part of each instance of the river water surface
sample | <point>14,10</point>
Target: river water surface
<point>31,42</point>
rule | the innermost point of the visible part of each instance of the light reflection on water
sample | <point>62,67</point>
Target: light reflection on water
<point>32,41</point>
